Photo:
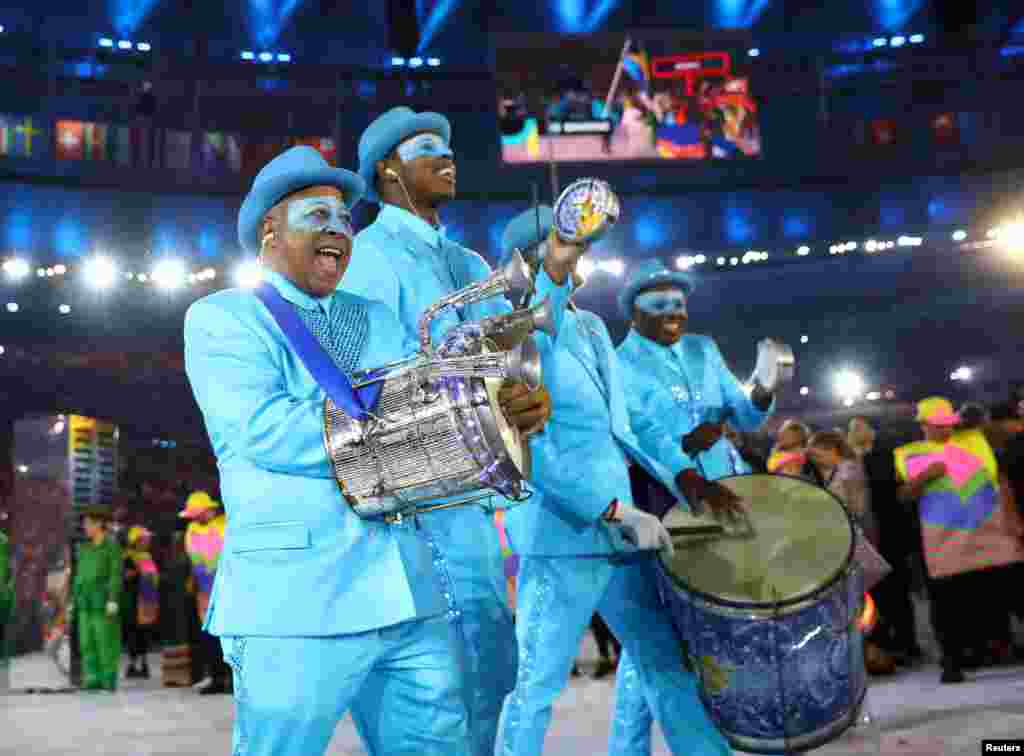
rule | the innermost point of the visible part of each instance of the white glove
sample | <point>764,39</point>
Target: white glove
<point>643,530</point>
<point>111,608</point>
<point>774,364</point>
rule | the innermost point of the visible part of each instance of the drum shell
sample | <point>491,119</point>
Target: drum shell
<point>423,449</point>
<point>776,681</point>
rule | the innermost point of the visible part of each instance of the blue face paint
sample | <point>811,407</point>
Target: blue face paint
<point>658,303</point>
<point>320,215</point>
<point>423,145</point>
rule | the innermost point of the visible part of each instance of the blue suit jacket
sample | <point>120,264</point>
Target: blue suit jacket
<point>581,459</point>
<point>687,384</point>
<point>297,561</point>
<point>402,261</point>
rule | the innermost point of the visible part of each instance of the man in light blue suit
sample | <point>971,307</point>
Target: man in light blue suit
<point>405,260</point>
<point>683,378</point>
<point>583,546</point>
<point>319,611</point>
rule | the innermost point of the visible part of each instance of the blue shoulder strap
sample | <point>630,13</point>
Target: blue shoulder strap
<point>316,359</point>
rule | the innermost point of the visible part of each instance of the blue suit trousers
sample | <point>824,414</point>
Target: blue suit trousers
<point>557,597</point>
<point>401,684</point>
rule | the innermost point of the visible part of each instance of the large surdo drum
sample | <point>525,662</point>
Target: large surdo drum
<point>770,615</point>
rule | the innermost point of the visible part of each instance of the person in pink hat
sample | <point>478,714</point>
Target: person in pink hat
<point>204,542</point>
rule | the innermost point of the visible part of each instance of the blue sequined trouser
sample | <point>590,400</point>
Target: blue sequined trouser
<point>556,598</point>
<point>400,683</point>
<point>470,567</point>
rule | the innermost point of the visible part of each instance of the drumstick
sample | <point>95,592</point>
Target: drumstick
<point>696,530</point>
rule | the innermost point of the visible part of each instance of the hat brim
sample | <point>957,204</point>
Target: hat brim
<point>258,203</point>
<point>393,135</point>
<point>684,281</point>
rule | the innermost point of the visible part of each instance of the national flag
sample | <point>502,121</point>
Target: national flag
<point>81,140</point>
<point>945,128</point>
<point>18,136</point>
<point>883,131</point>
<point>324,145</point>
<point>638,67</point>
<point>178,150</point>
<point>129,146</point>
<point>70,140</point>
<point>220,153</point>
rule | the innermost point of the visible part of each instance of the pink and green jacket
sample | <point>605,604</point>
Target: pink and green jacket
<point>966,525</point>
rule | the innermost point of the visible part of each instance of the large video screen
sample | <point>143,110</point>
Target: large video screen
<point>626,98</point>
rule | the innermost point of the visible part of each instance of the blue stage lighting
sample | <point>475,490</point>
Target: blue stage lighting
<point>248,55</point>
<point>124,44</point>
<point>284,58</point>
<point>143,47</point>
<point>916,39</point>
<point>266,57</point>
<point>415,62</point>
<point>753,52</point>
<point>1,28</point>
<point>398,61</point>
<point>433,62</point>
<point>880,42</point>
<point>897,41</point>
<point>106,42</point>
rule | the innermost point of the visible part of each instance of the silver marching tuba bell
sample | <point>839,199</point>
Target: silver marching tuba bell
<point>514,277</point>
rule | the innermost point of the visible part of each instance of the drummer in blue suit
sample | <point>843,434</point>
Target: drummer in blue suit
<point>583,546</point>
<point>319,611</point>
<point>404,260</point>
<point>683,378</point>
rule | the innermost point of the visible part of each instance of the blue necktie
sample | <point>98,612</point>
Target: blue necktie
<point>343,332</point>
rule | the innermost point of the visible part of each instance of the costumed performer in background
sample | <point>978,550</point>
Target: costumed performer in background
<point>95,593</point>
<point>140,606</point>
<point>204,543</point>
<point>320,611</point>
<point>967,531</point>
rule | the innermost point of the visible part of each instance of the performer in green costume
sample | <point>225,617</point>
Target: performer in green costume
<point>96,590</point>
<point>6,600</point>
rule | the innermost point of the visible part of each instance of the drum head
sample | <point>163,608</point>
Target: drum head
<point>802,540</point>
<point>515,444</point>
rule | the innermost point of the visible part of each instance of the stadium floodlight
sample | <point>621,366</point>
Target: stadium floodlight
<point>169,274</point>
<point>848,385</point>
<point>16,268</point>
<point>100,272</point>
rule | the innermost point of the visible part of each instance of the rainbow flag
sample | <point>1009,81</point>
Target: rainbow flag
<point>965,524</point>
<point>637,67</point>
